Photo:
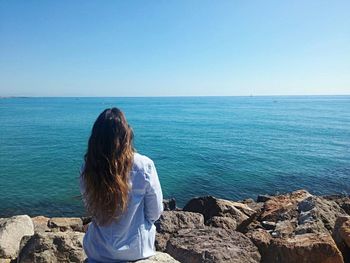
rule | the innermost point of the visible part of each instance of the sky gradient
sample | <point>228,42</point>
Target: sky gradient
<point>174,48</point>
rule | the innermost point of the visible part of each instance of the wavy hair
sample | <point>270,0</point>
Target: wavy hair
<point>108,162</point>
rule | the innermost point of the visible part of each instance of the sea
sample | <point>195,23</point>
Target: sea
<point>229,147</point>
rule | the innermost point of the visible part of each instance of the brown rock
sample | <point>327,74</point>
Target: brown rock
<point>161,241</point>
<point>284,228</point>
<point>283,207</point>
<point>255,206</point>
<point>66,223</point>
<point>222,222</point>
<point>341,236</point>
<point>210,206</point>
<point>261,238</point>
<point>172,221</point>
<point>307,248</point>
<point>212,245</point>
<point>53,247</point>
<point>299,213</point>
<point>342,200</point>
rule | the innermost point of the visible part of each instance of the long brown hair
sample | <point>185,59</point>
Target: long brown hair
<point>108,162</point>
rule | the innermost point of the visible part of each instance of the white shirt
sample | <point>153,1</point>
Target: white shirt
<point>132,236</point>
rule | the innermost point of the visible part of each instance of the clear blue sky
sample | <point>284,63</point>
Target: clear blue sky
<point>170,47</point>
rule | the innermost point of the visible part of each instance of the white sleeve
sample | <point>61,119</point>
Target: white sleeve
<point>153,195</point>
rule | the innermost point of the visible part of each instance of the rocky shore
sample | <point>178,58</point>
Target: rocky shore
<point>295,227</point>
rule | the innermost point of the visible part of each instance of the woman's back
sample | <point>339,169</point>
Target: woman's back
<point>131,236</point>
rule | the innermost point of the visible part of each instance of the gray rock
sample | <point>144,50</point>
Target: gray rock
<point>159,257</point>
<point>12,230</point>
<point>307,204</point>
<point>41,224</point>
<point>212,245</point>
<point>53,247</point>
<point>172,221</point>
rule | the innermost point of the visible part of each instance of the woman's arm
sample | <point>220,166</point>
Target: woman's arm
<point>153,196</point>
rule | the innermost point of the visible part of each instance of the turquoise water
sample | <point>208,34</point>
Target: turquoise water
<point>230,147</point>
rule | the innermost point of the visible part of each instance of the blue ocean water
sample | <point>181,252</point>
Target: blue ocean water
<point>229,147</point>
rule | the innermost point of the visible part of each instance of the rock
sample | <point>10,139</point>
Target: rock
<point>12,230</point>
<point>86,220</point>
<point>342,200</point>
<point>172,221</point>
<point>268,225</point>
<point>159,257</point>
<point>328,212</point>
<point>261,238</point>
<point>252,204</point>
<point>307,248</point>
<point>299,213</point>
<point>341,236</point>
<point>284,228</point>
<point>66,223</point>
<point>41,224</point>
<point>169,204</point>
<point>210,206</point>
<point>212,245</point>
<point>161,241</point>
<point>263,198</point>
<point>222,222</point>
<point>283,207</point>
<point>53,247</point>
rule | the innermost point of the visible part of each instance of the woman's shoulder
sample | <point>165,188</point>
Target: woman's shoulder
<point>141,162</point>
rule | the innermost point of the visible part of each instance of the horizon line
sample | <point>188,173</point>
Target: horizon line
<point>182,96</point>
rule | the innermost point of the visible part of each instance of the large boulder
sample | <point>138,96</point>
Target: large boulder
<point>172,221</point>
<point>53,247</point>
<point>159,257</point>
<point>66,223</point>
<point>12,230</point>
<point>212,244</point>
<point>210,206</point>
<point>298,213</point>
<point>306,248</point>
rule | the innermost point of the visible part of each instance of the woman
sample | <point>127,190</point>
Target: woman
<point>121,192</point>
